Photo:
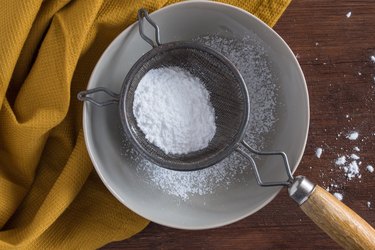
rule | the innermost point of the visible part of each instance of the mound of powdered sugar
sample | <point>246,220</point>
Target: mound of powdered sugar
<point>249,56</point>
<point>173,109</point>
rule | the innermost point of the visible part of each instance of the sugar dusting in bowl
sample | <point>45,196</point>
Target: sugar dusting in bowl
<point>250,57</point>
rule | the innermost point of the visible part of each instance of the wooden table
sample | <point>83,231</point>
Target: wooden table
<point>334,52</point>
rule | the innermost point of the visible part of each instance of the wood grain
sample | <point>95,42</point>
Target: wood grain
<point>339,221</point>
<point>335,89</point>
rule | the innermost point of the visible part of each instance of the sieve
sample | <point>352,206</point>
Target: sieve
<point>230,99</point>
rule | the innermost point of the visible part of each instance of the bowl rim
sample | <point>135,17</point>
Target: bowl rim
<point>86,118</point>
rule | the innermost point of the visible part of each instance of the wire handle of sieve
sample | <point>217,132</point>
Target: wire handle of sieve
<point>143,13</point>
<point>255,168</point>
<point>85,96</point>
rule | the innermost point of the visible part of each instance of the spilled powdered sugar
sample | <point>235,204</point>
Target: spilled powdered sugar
<point>370,168</point>
<point>249,56</point>
<point>339,196</point>
<point>318,152</point>
<point>349,164</point>
<point>352,135</point>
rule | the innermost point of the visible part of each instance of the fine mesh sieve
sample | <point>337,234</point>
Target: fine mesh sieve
<point>227,94</point>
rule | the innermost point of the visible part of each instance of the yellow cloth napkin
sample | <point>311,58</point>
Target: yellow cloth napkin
<point>50,197</point>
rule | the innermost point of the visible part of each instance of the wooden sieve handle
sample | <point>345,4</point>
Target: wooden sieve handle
<point>340,222</point>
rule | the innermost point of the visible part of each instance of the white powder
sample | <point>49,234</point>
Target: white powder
<point>349,14</point>
<point>249,56</point>
<point>341,160</point>
<point>370,168</point>
<point>352,136</point>
<point>352,170</point>
<point>184,184</point>
<point>338,196</point>
<point>348,161</point>
<point>318,152</point>
<point>172,107</point>
<point>354,157</point>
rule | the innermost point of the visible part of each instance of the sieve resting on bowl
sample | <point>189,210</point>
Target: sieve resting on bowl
<point>230,99</point>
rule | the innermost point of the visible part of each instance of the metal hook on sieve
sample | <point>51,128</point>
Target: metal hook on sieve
<point>142,13</point>
<point>85,96</point>
<point>255,168</point>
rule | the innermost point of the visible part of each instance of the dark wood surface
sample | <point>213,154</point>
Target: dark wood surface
<point>331,49</point>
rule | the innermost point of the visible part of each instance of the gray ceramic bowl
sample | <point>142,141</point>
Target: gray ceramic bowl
<point>102,127</point>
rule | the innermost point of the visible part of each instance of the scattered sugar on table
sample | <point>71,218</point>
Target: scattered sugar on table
<point>352,170</point>
<point>341,160</point>
<point>348,160</point>
<point>318,152</point>
<point>338,196</point>
<point>370,168</point>
<point>352,136</point>
<point>354,157</point>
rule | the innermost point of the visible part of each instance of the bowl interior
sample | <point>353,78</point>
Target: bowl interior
<point>102,126</point>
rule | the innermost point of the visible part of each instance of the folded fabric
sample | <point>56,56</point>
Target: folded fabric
<point>50,197</point>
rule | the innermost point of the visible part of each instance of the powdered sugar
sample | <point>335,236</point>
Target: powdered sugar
<point>341,160</point>
<point>370,168</point>
<point>339,196</point>
<point>352,170</point>
<point>201,182</point>
<point>352,135</point>
<point>318,152</point>
<point>172,107</point>
<point>354,157</point>
<point>350,162</point>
